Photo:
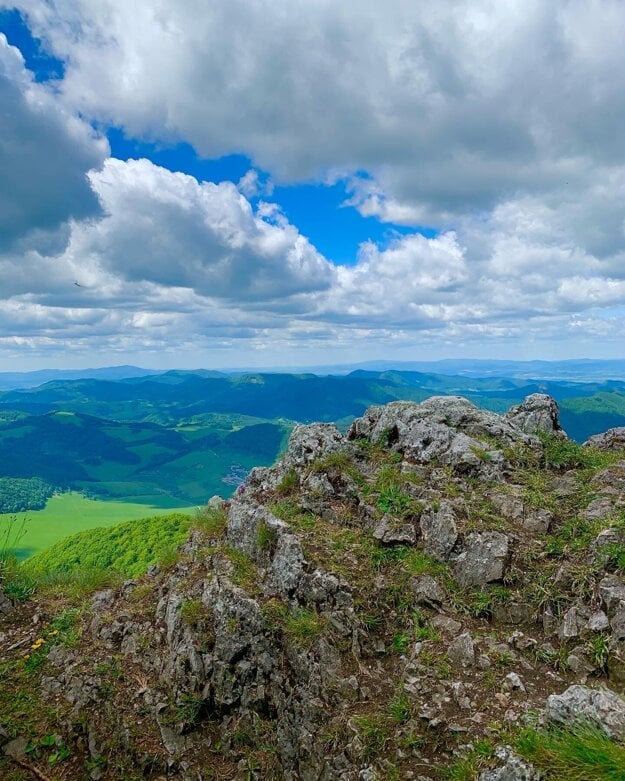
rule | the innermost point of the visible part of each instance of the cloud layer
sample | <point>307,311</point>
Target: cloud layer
<point>499,124</point>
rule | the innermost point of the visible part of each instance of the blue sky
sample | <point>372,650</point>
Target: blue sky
<point>324,184</point>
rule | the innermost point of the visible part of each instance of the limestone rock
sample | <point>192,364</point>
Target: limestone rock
<point>537,521</point>
<point>390,532</point>
<point>612,592</point>
<point>511,768</point>
<point>449,429</point>
<point>439,531</point>
<point>601,707</point>
<point>537,412</point>
<point>461,651</point>
<point>307,443</point>
<point>483,559</point>
<point>428,592</point>
<point>612,439</point>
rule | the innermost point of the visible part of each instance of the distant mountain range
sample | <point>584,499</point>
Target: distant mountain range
<point>580,370</point>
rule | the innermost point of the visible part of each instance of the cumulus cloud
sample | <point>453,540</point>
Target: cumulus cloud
<point>499,124</point>
<point>450,107</point>
<point>45,154</point>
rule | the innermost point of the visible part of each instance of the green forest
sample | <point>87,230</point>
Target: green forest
<point>21,494</point>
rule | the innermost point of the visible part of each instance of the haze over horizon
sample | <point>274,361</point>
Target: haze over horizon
<point>257,185</point>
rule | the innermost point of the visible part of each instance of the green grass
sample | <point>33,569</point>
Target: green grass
<point>67,514</point>
<point>304,627</point>
<point>581,754</point>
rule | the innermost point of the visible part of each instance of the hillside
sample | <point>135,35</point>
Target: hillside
<point>139,461</point>
<point>438,593</point>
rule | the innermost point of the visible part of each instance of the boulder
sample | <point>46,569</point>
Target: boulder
<point>483,559</point>
<point>579,704</point>
<point>307,443</point>
<point>537,412</point>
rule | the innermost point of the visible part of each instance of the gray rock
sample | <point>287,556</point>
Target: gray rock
<point>446,428</point>
<point>612,439</point>
<point>439,531</point>
<point>579,704</point>
<point>428,592</point>
<point>513,682</point>
<point>612,592</point>
<point>483,559</point>
<point>509,503</point>
<point>390,531</point>
<point>575,618</point>
<point>602,547</point>
<point>537,521</point>
<point>611,481</point>
<point>617,623</point>
<point>307,443</point>
<point>511,768</point>
<point>461,651</point>
<point>102,600</point>
<point>16,749</point>
<point>215,502</point>
<point>512,613</point>
<point>537,412</point>
<point>598,622</point>
<point>600,509</point>
<point>446,625</point>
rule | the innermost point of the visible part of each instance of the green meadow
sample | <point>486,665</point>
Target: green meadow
<point>68,513</point>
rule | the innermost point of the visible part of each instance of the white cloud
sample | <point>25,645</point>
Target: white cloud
<point>498,123</point>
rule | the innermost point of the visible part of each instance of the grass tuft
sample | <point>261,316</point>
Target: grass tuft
<point>581,754</point>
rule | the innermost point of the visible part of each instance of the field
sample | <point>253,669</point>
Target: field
<point>69,513</point>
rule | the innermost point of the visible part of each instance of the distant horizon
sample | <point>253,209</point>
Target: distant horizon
<point>327,367</point>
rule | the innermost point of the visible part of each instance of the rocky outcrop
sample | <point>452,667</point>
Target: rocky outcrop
<point>538,412</point>
<point>612,439</point>
<point>364,609</point>
<point>510,768</point>
<point>446,429</point>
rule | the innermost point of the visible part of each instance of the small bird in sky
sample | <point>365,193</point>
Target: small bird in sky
<point>78,284</point>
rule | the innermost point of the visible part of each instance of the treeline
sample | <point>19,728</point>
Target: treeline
<point>18,494</point>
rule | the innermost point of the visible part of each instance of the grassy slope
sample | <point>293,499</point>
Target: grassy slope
<point>127,548</point>
<point>69,513</point>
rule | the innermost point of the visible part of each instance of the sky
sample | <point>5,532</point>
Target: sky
<point>302,182</point>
